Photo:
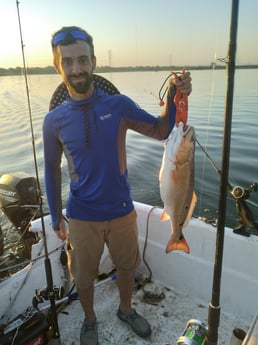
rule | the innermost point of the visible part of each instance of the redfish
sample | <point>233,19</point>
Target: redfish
<point>176,180</point>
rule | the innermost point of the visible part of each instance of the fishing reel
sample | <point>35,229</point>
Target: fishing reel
<point>241,193</point>
<point>44,295</point>
<point>246,217</point>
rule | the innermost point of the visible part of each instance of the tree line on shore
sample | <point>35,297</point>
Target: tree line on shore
<point>108,69</point>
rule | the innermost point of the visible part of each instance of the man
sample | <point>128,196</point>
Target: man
<point>90,129</point>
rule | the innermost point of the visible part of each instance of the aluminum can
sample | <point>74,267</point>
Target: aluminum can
<point>195,333</point>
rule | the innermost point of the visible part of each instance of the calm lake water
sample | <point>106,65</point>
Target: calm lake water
<point>206,114</point>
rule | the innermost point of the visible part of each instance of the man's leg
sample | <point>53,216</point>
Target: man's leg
<point>125,283</point>
<point>86,296</point>
<point>86,247</point>
<point>123,245</point>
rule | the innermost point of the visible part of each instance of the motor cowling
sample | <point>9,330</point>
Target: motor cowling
<point>19,198</point>
<point>19,201</point>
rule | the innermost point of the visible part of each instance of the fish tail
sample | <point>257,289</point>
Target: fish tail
<point>178,245</point>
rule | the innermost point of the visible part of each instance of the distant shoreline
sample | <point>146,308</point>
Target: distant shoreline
<point>107,69</point>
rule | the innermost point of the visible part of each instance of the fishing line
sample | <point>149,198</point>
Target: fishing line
<point>25,263</point>
<point>14,298</point>
<point>48,269</point>
<point>208,126</point>
<point>218,171</point>
<point>19,241</point>
<point>27,94</point>
<point>240,196</point>
<point>201,198</point>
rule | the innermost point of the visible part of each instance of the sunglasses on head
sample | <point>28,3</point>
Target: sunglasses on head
<point>76,34</point>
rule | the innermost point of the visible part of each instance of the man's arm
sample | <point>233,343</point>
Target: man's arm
<point>52,165</point>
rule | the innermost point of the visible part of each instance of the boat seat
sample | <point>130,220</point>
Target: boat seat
<point>61,92</point>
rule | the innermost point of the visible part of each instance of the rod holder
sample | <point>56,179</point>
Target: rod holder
<point>238,336</point>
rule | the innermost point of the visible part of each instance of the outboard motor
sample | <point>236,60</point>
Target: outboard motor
<point>19,201</point>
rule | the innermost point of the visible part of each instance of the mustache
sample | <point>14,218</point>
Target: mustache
<point>82,74</point>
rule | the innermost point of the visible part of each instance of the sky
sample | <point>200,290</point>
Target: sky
<point>130,32</point>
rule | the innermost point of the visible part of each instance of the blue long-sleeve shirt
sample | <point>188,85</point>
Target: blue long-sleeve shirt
<point>92,134</point>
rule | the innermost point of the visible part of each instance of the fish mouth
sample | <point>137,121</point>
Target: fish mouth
<point>189,133</point>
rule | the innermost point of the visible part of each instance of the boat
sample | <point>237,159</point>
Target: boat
<point>39,304</point>
<point>178,284</point>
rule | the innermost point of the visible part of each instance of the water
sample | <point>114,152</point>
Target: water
<point>206,113</point>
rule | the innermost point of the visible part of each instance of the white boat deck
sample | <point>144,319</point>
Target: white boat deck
<point>168,318</point>
<point>185,279</point>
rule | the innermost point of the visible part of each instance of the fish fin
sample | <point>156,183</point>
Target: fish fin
<point>178,245</point>
<point>164,216</point>
<point>191,209</point>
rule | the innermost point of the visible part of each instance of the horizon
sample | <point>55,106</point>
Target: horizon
<point>221,65</point>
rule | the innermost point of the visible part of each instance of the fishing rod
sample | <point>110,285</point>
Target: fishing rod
<point>214,306</point>
<point>239,194</point>
<point>48,269</point>
<point>218,171</point>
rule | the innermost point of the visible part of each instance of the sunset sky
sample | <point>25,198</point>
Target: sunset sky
<point>131,32</point>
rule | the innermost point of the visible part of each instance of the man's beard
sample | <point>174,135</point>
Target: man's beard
<point>81,87</point>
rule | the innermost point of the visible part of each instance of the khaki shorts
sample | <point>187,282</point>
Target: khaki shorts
<point>87,239</point>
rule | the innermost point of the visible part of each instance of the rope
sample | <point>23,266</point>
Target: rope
<point>148,296</point>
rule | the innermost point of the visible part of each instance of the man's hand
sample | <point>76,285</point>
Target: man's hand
<point>184,82</point>
<point>62,233</point>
